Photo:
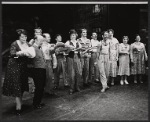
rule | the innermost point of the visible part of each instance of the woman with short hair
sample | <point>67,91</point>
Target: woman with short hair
<point>138,58</point>
<point>16,78</point>
<point>124,60</point>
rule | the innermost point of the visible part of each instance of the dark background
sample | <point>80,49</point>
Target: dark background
<point>125,19</point>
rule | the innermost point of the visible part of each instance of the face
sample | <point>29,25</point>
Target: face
<point>23,38</point>
<point>105,36</point>
<point>84,33</point>
<point>125,40</point>
<point>138,38</point>
<point>38,32</point>
<point>73,36</point>
<point>59,38</point>
<point>94,35</point>
<point>48,38</point>
<point>111,34</point>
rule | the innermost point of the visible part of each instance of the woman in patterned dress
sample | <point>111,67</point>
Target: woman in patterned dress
<point>124,60</point>
<point>16,78</point>
<point>113,55</point>
<point>138,58</point>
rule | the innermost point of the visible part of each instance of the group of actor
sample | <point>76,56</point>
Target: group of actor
<point>78,60</point>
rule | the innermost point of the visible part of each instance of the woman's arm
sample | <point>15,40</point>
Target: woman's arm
<point>145,54</point>
<point>131,52</point>
<point>29,52</point>
<point>13,50</point>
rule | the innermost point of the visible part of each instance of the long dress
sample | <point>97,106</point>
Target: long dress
<point>113,57</point>
<point>16,77</point>
<point>124,60</point>
<point>138,56</point>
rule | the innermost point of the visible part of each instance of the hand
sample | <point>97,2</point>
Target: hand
<point>95,63</point>
<point>19,53</point>
<point>51,48</point>
<point>54,66</point>
<point>146,58</point>
<point>116,58</point>
<point>72,47</point>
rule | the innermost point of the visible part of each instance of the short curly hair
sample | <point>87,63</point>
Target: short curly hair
<point>21,31</point>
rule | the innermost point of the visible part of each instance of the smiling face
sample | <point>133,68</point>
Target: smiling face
<point>73,36</point>
<point>105,35</point>
<point>94,36</point>
<point>111,34</point>
<point>59,38</point>
<point>125,40</point>
<point>23,38</point>
<point>38,32</point>
<point>47,37</point>
<point>84,33</point>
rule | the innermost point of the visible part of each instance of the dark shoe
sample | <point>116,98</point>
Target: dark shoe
<point>78,90</point>
<point>85,85</point>
<point>18,112</point>
<point>49,94</point>
<point>89,83</point>
<point>96,81</point>
<point>66,86</point>
<point>55,87</point>
<point>38,106</point>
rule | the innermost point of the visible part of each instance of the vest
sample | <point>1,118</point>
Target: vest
<point>71,53</point>
<point>38,60</point>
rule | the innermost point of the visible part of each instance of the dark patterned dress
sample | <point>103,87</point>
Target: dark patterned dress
<point>16,77</point>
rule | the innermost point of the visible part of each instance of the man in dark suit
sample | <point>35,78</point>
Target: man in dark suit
<point>39,72</point>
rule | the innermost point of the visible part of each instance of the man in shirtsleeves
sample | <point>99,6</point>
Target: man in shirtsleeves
<point>61,62</point>
<point>86,43</point>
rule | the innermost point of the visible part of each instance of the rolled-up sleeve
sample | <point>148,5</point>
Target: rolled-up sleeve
<point>29,52</point>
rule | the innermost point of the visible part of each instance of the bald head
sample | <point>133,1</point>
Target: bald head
<point>39,39</point>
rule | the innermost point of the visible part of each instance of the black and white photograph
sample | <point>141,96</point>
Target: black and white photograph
<point>74,61</point>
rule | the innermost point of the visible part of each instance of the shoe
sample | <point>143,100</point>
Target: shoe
<point>85,85</point>
<point>49,94</point>
<point>55,87</point>
<point>71,92</point>
<point>135,81</point>
<point>121,82</point>
<point>66,86</point>
<point>112,83</point>
<point>103,90</point>
<point>18,112</point>
<point>126,82</point>
<point>39,106</point>
<point>96,81</point>
<point>78,90</point>
<point>141,81</point>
